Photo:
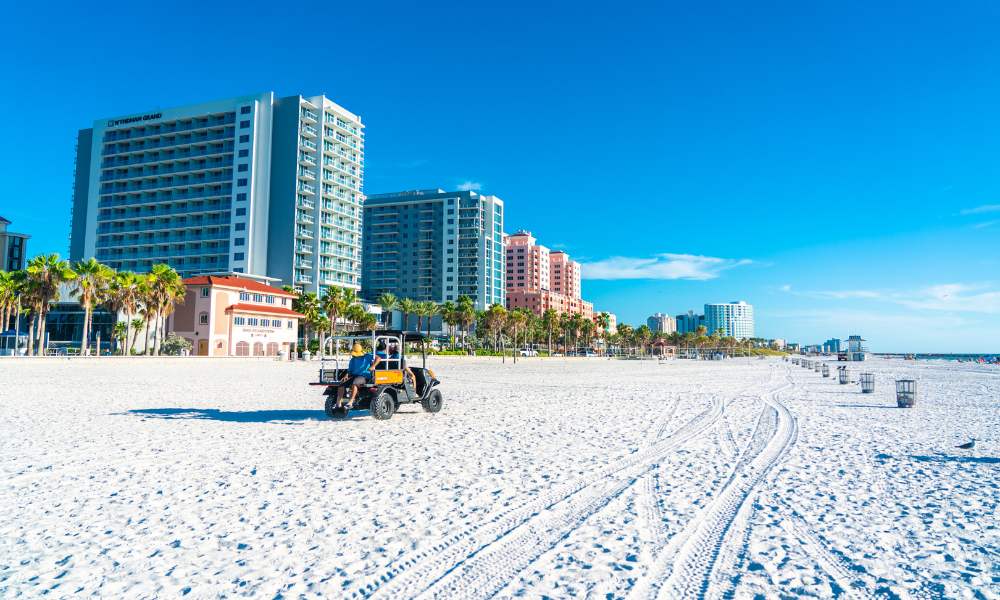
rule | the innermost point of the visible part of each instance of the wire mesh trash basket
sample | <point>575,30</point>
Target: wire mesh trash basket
<point>843,374</point>
<point>906,393</point>
<point>867,383</point>
<point>826,370</point>
<point>817,367</point>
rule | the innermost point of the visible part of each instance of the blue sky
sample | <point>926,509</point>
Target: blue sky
<point>834,163</point>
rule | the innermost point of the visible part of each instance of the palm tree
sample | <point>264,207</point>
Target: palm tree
<point>407,307</point>
<point>449,316</point>
<point>332,303</point>
<point>517,319</point>
<point>47,272</point>
<point>8,298</point>
<point>466,315</point>
<point>550,318</point>
<point>124,296</point>
<point>137,324</point>
<point>495,319</point>
<point>166,289</point>
<point>388,302</point>
<point>428,310</point>
<point>91,286</point>
<point>120,333</point>
<point>307,304</point>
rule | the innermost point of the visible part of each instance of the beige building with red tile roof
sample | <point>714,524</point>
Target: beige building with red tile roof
<point>234,315</point>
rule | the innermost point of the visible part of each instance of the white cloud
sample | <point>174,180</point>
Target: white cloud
<point>660,266</point>
<point>985,224</point>
<point>470,186</point>
<point>949,297</point>
<point>979,210</point>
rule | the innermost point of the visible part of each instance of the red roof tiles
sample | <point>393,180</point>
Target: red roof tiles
<point>265,308</point>
<point>238,283</point>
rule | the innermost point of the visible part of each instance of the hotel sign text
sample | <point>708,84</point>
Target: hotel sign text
<point>127,120</point>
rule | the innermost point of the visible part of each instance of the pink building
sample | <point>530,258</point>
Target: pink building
<point>232,315</point>
<point>539,279</point>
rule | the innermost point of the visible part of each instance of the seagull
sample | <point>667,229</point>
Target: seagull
<point>968,445</point>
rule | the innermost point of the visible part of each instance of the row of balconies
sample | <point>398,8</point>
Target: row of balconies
<point>106,254</point>
<point>121,241</point>
<point>152,157</point>
<point>112,228</point>
<point>107,200</point>
<point>166,142</point>
<point>178,167</point>
<point>166,182</point>
<point>109,215</point>
<point>160,129</point>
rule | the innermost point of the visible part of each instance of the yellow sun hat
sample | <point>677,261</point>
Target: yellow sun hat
<point>357,350</point>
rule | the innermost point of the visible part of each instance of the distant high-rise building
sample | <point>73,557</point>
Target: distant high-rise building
<point>661,323</point>
<point>254,184</point>
<point>539,279</point>
<point>434,245</point>
<point>13,249</point>
<point>735,319</point>
<point>832,345</point>
<point>689,323</point>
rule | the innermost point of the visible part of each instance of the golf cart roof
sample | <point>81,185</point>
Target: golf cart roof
<point>406,336</point>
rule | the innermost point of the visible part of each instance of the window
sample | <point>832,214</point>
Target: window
<point>258,297</point>
<point>244,139</point>
<point>238,256</point>
<point>244,295</point>
<point>290,323</point>
<point>204,292</point>
<point>239,242</point>
<point>245,124</point>
<point>241,182</point>
<point>242,168</point>
<point>239,321</point>
<point>252,321</point>
<point>241,212</point>
<point>244,110</point>
<point>241,197</point>
<point>283,301</point>
<point>270,299</point>
<point>241,226</point>
<point>203,318</point>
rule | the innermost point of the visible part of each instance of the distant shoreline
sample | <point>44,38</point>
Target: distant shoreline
<point>989,356</point>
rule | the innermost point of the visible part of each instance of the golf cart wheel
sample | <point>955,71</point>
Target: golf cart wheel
<point>383,406</point>
<point>433,402</point>
<point>331,408</point>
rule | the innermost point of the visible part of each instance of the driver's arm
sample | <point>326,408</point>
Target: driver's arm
<point>375,362</point>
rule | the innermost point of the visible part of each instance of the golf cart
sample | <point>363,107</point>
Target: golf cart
<point>389,386</point>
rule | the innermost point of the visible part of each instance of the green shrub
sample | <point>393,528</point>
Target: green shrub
<point>174,345</point>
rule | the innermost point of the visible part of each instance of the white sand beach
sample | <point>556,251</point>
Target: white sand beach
<point>141,478</point>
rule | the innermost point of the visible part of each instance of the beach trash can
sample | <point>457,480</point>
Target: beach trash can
<point>867,383</point>
<point>826,370</point>
<point>844,375</point>
<point>906,393</point>
<point>817,367</point>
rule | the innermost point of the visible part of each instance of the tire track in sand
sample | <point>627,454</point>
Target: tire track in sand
<point>481,560</point>
<point>685,567</point>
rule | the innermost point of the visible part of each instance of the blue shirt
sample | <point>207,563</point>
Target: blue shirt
<point>360,365</point>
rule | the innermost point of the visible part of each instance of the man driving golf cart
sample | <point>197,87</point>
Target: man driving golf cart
<point>380,380</point>
<point>360,370</point>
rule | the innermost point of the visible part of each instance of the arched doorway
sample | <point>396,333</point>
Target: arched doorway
<point>242,349</point>
<point>258,349</point>
<point>272,348</point>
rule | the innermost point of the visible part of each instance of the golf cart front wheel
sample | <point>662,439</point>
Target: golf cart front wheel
<point>383,406</point>
<point>433,402</point>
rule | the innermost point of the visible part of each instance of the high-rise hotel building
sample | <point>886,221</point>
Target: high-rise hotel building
<point>255,184</point>
<point>735,319</point>
<point>539,279</point>
<point>435,245</point>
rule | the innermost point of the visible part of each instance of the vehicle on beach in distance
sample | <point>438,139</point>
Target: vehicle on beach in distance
<point>390,384</point>
<point>527,352</point>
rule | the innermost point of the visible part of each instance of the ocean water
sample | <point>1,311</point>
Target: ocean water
<point>959,357</point>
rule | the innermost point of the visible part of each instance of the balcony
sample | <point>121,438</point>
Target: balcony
<point>307,159</point>
<point>301,217</point>
<point>301,278</point>
<point>303,263</point>
<point>304,248</point>
<point>309,130</point>
<point>309,115</point>
<point>307,173</point>
<point>306,143</point>
<point>307,204</point>
<point>305,187</point>
<point>304,233</point>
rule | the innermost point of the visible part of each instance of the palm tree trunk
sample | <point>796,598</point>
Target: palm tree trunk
<point>42,345</point>
<point>31,337</point>
<point>84,346</point>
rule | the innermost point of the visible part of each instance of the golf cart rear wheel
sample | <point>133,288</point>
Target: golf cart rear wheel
<point>383,406</point>
<point>331,408</point>
<point>433,402</point>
